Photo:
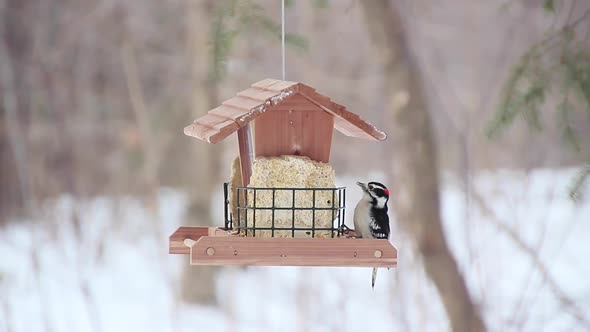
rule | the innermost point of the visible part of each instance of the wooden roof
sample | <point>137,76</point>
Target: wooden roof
<point>247,105</point>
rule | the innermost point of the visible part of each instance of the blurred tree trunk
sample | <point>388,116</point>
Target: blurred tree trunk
<point>415,166</point>
<point>198,283</point>
<point>11,188</point>
<point>151,147</point>
<point>15,188</point>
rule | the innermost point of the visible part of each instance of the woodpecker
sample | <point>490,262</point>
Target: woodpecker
<point>370,215</point>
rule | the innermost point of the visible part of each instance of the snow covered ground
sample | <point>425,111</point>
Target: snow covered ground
<point>102,265</point>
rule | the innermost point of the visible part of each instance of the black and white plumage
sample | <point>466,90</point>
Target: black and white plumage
<point>370,214</point>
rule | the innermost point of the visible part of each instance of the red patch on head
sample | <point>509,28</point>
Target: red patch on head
<point>386,191</point>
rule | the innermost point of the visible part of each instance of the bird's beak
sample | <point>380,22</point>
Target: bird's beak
<point>363,186</point>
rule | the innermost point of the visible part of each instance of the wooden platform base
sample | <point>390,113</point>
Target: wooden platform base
<point>213,246</point>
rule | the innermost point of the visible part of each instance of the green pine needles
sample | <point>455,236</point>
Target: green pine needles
<point>579,181</point>
<point>232,18</point>
<point>558,67</point>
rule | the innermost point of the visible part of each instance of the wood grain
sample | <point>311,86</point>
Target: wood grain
<point>242,103</point>
<point>235,112</point>
<point>227,112</point>
<point>270,84</point>
<point>297,128</point>
<point>214,250</point>
<point>176,244</point>
<point>348,123</point>
<point>228,249</point>
<point>257,94</point>
<point>211,128</point>
<point>246,153</point>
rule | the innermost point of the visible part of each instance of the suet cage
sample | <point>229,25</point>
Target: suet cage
<point>287,220</point>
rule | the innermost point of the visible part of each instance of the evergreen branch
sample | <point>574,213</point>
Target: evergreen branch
<point>549,6</point>
<point>579,181</point>
<point>321,4</point>
<point>273,31</point>
<point>506,112</point>
<point>527,76</point>
<point>533,99</point>
<point>568,134</point>
<point>296,41</point>
<point>221,42</point>
<point>577,74</point>
<point>579,19</point>
<point>557,60</point>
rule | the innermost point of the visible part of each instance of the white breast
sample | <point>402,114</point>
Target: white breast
<point>362,219</point>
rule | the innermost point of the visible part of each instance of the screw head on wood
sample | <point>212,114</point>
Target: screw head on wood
<point>378,253</point>
<point>210,251</point>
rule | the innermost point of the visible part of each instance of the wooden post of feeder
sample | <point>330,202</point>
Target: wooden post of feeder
<point>246,153</point>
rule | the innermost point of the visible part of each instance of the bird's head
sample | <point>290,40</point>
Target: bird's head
<point>376,193</point>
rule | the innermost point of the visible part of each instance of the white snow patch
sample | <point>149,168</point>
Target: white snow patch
<point>110,271</point>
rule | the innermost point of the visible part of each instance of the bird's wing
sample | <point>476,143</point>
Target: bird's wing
<point>380,226</point>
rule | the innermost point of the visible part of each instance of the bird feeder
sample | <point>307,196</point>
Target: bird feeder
<point>290,119</point>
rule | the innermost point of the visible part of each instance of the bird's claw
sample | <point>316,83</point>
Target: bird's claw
<point>351,235</point>
<point>347,232</point>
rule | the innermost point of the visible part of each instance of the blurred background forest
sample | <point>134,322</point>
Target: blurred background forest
<point>95,171</point>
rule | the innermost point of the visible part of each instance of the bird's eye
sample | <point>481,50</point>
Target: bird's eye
<point>379,191</point>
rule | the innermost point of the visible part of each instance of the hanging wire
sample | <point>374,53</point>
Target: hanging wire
<point>283,35</point>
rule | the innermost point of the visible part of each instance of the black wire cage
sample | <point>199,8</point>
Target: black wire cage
<point>285,212</point>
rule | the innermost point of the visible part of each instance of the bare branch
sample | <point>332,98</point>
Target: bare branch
<point>151,151</point>
<point>568,303</point>
<point>10,106</point>
<point>415,168</point>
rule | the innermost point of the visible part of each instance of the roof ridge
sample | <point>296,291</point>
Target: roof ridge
<point>268,93</point>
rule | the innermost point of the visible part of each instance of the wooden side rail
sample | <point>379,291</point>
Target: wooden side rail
<point>212,246</point>
<point>176,242</point>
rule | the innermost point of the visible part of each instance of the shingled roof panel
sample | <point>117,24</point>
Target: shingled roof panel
<point>266,94</point>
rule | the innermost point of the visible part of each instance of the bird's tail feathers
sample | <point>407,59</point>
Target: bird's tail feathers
<point>374,277</point>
